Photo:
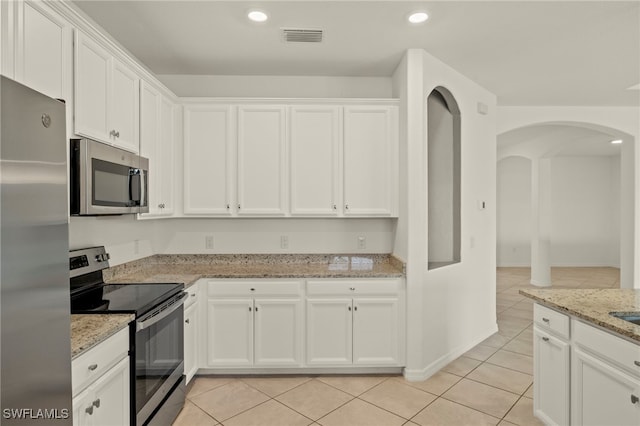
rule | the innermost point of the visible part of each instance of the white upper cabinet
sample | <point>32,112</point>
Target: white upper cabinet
<point>315,141</point>
<point>370,160</point>
<point>208,160</point>
<point>44,41</point>
<point>261,160</point>
<point>156,143</point>
<point>106,96</point>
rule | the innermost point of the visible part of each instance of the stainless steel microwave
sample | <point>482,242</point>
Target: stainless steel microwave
<point>106,181</point>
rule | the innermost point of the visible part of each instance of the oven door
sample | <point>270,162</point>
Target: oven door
<point>159,358</point>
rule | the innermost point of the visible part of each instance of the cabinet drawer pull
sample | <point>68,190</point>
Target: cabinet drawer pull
<point>335,207</point>
<point>634,399</point>
<point>637,363</point>
<point>89,410</point>
<point>546,339</point>
<point>96,403</point>
<point>252,289</point>
<point>92,367</point>
<point>352,288</point>
<point>546,320</point>
<point>228,206</point>
<point>346,206</point>
<point>349,307</point>
<point>187,320</point>
<point>355,308</point>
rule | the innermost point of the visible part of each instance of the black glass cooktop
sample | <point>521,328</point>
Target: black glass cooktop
<point>122,298</point>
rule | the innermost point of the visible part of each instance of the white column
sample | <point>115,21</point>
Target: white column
<point>541,222</point>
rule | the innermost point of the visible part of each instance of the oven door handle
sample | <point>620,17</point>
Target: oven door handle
<point>141,325</point>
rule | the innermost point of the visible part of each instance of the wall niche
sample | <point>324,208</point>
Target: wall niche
<point>443,178</point>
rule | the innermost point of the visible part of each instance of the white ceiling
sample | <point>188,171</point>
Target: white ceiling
<point>527,53</point>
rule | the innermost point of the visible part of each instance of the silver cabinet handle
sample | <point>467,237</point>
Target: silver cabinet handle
<point>92,367</point>
<point>349,308</point>
<point>546,339</point>
<point>346,206</point>
<point>335,207</point>
<point>352,288</point>
<point>545,320</point>
<point>634,399</point>
<point>89,410</point>
<point>96,403</point>
<point>256,309</point>
<point>187,320</point>
<point>228,206</point>
<point>249,308</point>
<point>355,308</point>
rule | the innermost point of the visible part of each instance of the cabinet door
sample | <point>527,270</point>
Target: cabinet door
<point>166,156</point>
<point>207,160</point>
<point>124,107</point>
<point>43,52</point>
<point>329,331</point>
<point>83,408</point>
<point>149,145</point>
<point>375,331</point>
<point>111,403</point>
<point>278,332</point>
<point>190,341</point>
<point>230,332</point>
<point>92,72</point>
<point>370,156</point>
<point>551,378</point>
<point>602,394</point>
<point>261,160</point>
<point>315,160</point>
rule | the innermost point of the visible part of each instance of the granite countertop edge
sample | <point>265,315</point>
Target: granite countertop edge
<point>596,312</point>
<point>89,330</point>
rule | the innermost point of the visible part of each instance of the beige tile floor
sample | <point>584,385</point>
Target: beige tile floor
<point>489,385</point>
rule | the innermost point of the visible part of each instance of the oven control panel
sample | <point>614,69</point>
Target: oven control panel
<point>83,261</point>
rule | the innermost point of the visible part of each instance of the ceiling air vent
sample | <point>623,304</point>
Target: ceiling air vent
<point>301,35</point>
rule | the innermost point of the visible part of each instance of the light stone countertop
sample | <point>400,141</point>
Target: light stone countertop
<point>91,329</point>
<point>593,306</point>
<point>188,269</point>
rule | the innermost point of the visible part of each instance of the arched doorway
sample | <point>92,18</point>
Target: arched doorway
<point>582,197</point>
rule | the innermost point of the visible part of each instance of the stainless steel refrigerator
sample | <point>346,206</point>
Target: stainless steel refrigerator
<point>35,352</point>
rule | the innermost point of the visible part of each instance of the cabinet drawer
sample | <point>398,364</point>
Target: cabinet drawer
<point>254,288</point>
<point>352,287</point>
<point>92,364</point>
<point>608,346</point>
<point>550,320</point>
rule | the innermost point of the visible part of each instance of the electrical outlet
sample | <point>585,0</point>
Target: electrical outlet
<point>208,242</point>
<point>284,242</point>
<point>362,242</point>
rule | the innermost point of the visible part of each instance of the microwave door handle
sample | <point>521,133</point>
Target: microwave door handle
<point>143,187</point>
<point>130,181</point>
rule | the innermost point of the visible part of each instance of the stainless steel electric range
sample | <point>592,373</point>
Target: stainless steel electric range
<point>156,336</point>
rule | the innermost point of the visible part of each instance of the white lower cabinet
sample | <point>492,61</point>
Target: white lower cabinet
<point>245,331</point>
<point>602,393</point>
<point>267,324</point>
<point>191,331</point>
<point>583,375</point>
<point>551,383</point>
<point>101,383</point>
<point>347,330</point>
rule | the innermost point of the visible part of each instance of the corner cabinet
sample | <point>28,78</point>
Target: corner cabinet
<point>293,160</point>
<point>106,103</point>
<point>101,383</point>
<point>353,322</point>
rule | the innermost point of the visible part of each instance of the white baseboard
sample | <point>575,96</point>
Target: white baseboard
<point>418,375</point>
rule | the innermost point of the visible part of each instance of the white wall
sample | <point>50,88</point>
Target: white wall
<point>584,211</point>
<point>124,237</point>
<point>513,212</point>
<point>278,86</point>
<point>457,305</point>
<point>264,235</point>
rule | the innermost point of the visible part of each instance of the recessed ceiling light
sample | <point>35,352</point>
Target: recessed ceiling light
<point>418,17</point>
<point>617,141</point>
<point>257,16</point>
